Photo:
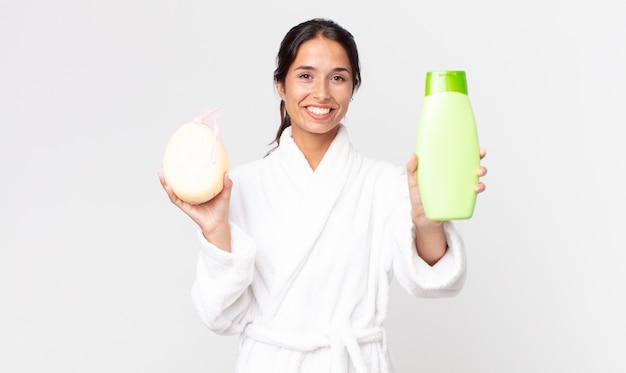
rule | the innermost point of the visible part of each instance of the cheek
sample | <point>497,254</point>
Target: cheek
<point>296,91</point>
<point>344,96</point>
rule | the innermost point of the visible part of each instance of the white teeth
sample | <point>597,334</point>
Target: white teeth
<point>318,110</point>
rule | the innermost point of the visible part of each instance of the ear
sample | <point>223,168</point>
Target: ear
<point>280,87</point>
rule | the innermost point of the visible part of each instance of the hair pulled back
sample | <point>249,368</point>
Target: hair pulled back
<point>299,34</point>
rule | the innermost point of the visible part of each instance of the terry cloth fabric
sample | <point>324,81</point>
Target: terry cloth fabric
<point>306,283</point>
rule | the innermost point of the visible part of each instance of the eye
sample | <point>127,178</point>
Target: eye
<point>305,76</point>
<point>338,78</point>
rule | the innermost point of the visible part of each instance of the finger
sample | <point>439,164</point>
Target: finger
<point>170,193</point>
<point>482,171</point>
<point>411,165</point>
<point>483,153</point>
<point>227,186</point>
<point>480,187</point>
<point>228,183</point>
<point>168,190</point>
<point>411,169</point>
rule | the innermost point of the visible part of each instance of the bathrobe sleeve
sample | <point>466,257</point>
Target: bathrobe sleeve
<point>446,277</point>
<point>221,292</point>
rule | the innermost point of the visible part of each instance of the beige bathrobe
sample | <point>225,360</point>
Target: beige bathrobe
<point>313,253</point>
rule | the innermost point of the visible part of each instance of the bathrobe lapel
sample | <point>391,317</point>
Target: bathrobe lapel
<point>301,199</point>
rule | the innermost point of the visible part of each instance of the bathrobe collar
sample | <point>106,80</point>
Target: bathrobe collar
<point>333,163</point>
<point>302,199</point>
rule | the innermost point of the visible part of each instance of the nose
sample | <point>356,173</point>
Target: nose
<point>321,91</point>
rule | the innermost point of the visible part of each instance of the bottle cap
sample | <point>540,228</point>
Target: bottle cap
<point>445,81</point>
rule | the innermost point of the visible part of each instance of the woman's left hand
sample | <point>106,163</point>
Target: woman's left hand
<point>417,209</point>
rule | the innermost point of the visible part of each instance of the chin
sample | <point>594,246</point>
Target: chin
<point>322,129</point>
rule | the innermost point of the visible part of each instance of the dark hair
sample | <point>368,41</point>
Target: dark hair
<point>290,45</point>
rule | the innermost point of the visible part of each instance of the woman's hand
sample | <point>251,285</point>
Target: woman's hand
<point>212,216</point>
<point>430,238</point>
<point>417,209</point>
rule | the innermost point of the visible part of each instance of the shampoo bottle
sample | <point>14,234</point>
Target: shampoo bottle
<point>447,148</point>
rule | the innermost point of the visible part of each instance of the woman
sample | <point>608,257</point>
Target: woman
<point>298,250</point>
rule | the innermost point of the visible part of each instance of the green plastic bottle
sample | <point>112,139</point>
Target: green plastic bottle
<point>447,148</point>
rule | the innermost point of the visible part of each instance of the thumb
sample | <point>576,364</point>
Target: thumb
<point>228,185</point>
<point>411,166</point>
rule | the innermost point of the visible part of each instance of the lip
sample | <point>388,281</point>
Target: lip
<point>317,115</point>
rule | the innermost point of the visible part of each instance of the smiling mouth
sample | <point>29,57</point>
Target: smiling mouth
<point>318,110</point>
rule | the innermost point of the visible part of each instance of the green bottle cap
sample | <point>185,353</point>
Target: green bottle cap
<point>445,81</point>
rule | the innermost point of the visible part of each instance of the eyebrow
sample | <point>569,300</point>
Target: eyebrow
<point>336,69</point>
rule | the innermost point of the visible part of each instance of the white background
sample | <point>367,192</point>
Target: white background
<point>96,265</point>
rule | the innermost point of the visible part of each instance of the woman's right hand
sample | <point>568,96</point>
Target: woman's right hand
<point>212,216</point>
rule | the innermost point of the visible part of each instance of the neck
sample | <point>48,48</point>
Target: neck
<point>313,145</point>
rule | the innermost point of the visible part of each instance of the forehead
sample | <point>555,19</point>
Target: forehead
<point>322,53</point>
